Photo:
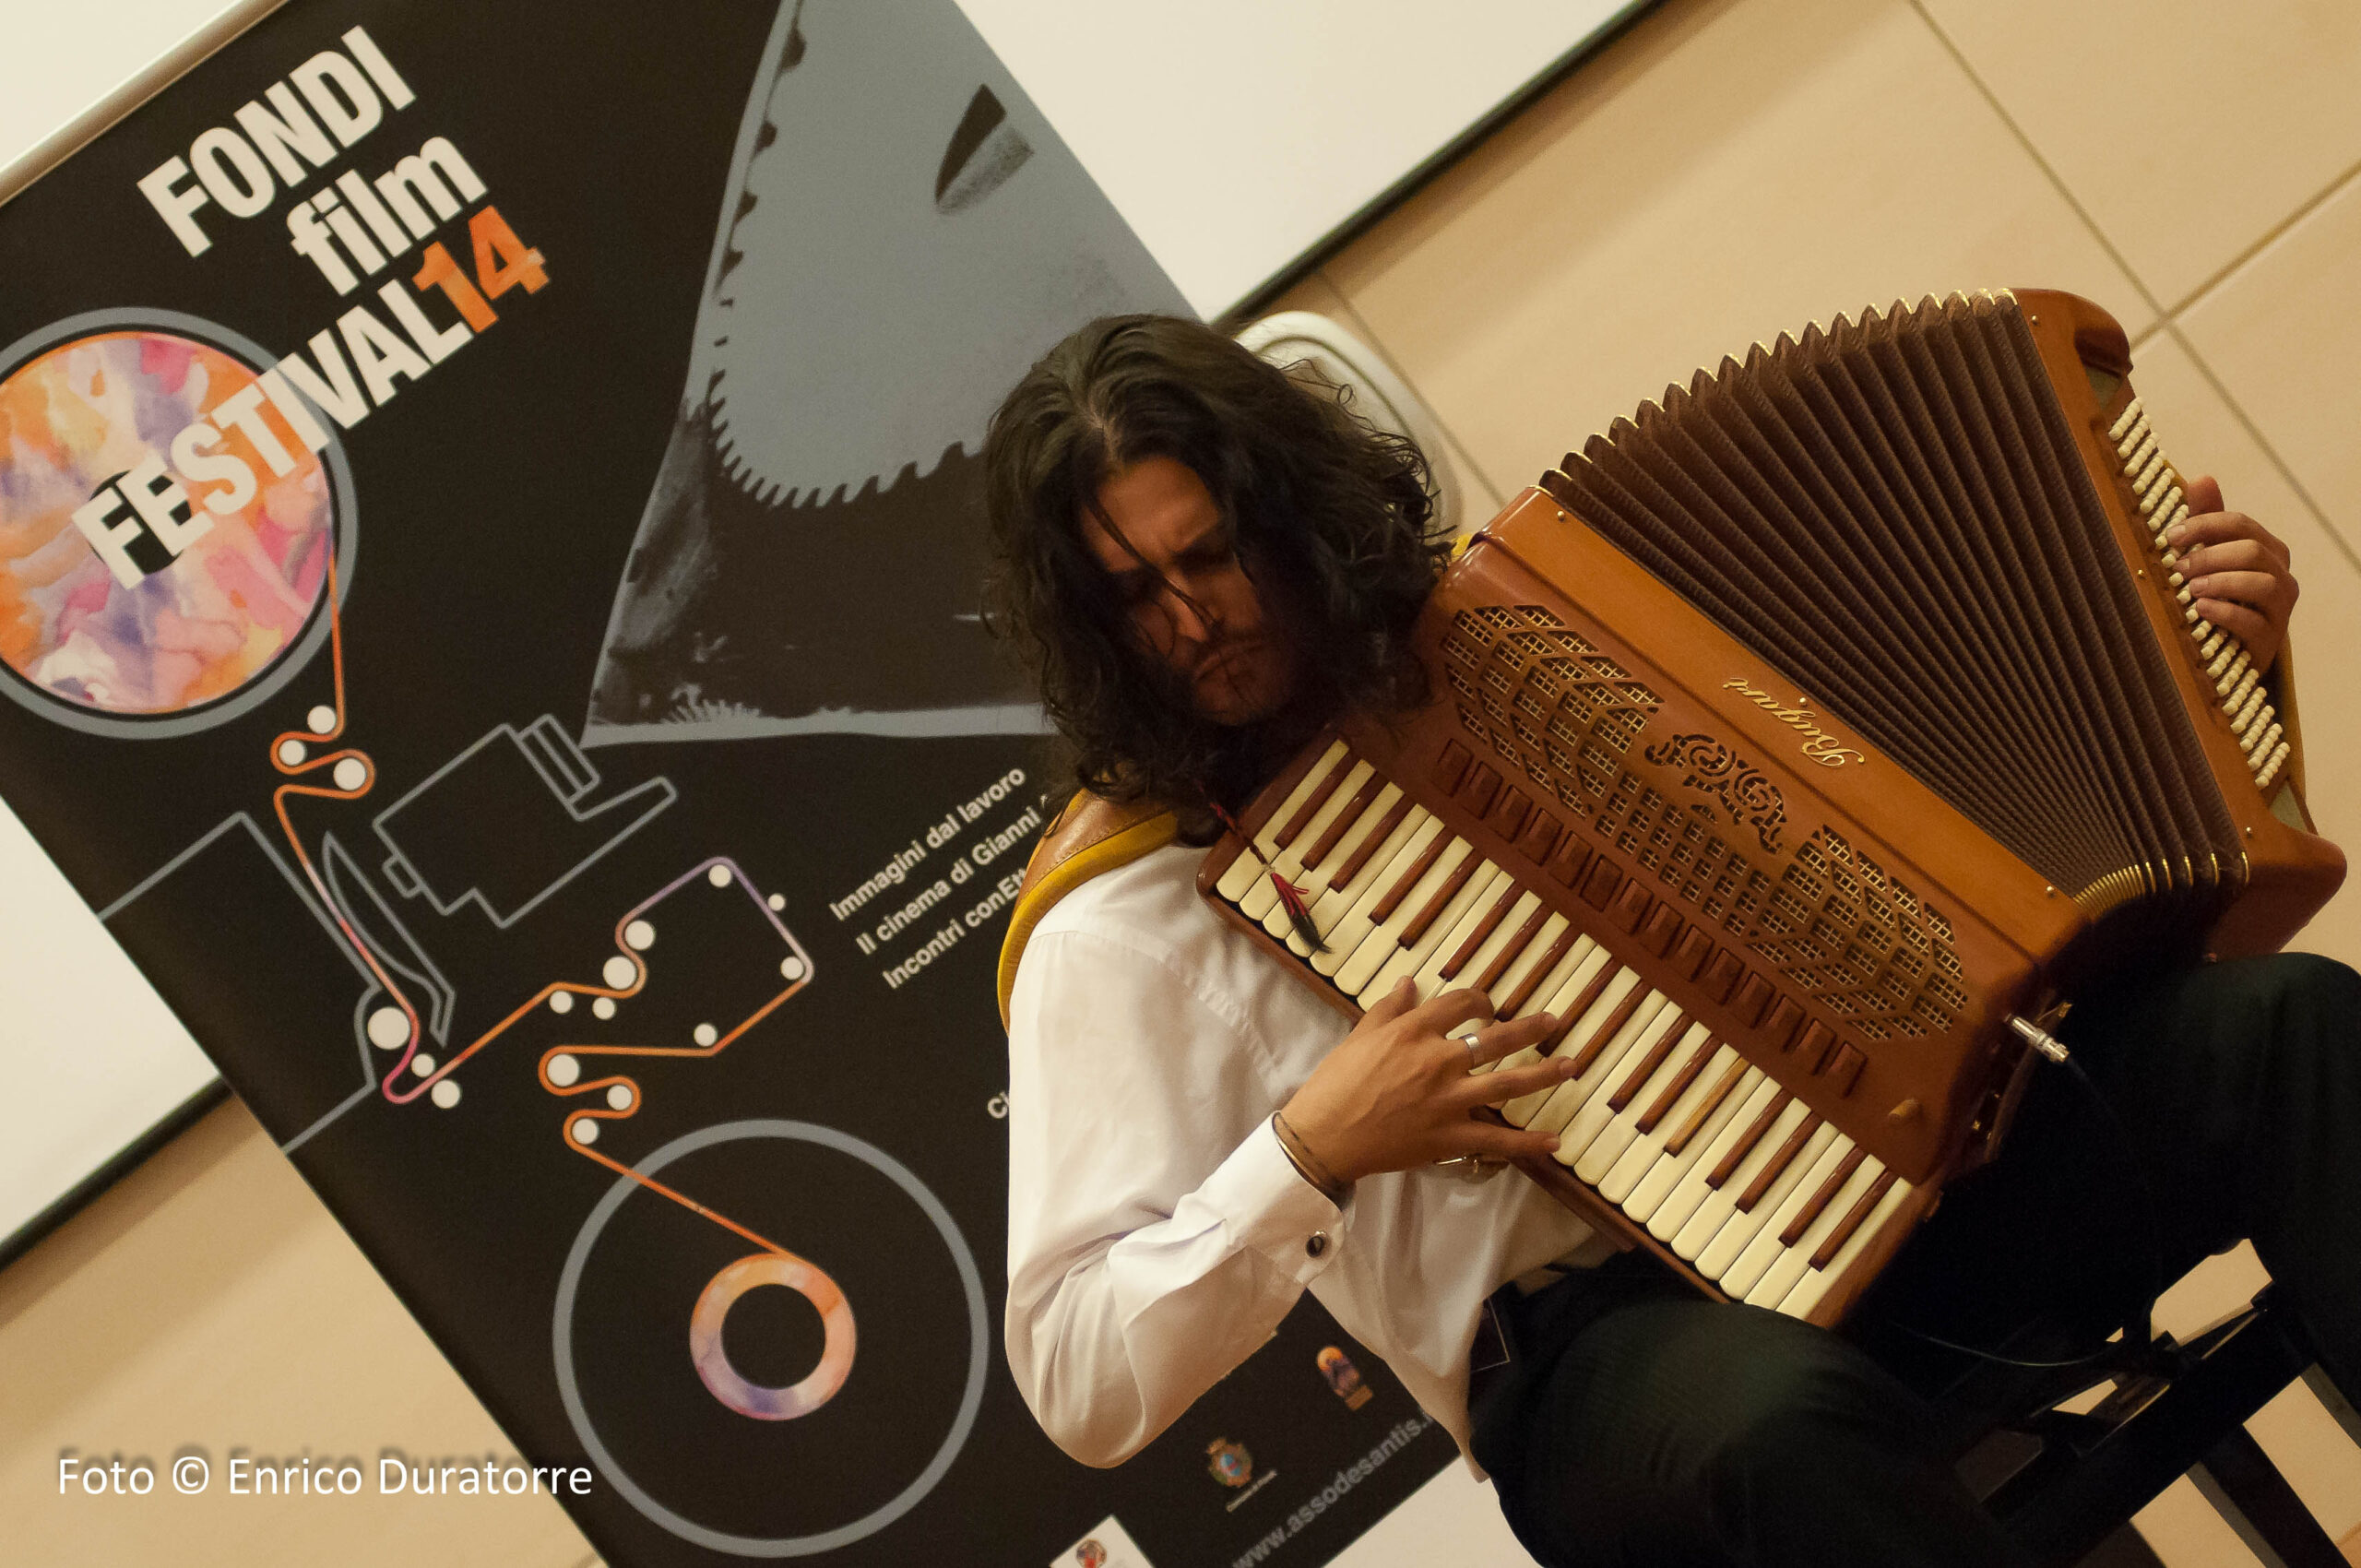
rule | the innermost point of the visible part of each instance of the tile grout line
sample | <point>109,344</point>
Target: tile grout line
<point>2167,321</point>
<point>2048,172</point>
<point>1451,437</point>
<point>2319,514</point>
<point>2326,194</point>
<point>2043,164</point>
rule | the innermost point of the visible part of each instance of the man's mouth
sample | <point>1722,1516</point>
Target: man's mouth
<point>1222,662</point>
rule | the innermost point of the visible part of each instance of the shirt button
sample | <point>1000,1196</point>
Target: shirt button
<point>1316,1243</point>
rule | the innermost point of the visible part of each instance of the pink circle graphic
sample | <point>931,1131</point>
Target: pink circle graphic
<point>164,530</point>
<point>722,1292</point>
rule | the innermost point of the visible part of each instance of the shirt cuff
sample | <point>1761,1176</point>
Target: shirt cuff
<point>1267,1207</point>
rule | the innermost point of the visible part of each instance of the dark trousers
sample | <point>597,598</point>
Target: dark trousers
<point>1641,1424</point>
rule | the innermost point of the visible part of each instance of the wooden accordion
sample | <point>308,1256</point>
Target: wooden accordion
<point>1804,743</point>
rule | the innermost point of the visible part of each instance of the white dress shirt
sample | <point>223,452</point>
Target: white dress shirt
<point>1156,1231</point>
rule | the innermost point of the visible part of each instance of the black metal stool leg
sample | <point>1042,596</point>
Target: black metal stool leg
<point>2125,1548</point>
<point>2240,1481</point>
<point>2334,1398</point>
<point>2233,1372</point>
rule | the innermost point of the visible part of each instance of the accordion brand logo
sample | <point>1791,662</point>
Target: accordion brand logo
<point>1720,772</point>
<point>1822,747</point>
<point>168,507</point>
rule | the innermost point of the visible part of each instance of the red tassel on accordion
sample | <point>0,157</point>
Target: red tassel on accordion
<point>1290,896</point>
<point>1299,912</point>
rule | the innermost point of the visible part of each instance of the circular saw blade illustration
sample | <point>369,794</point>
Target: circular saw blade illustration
<point>902,235</point>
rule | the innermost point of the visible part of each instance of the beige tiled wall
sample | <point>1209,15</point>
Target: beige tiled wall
<point>1728,169</point>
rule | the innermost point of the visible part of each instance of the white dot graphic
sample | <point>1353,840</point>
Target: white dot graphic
<point>792,967</point>
<point>291,752</point>
<point>619,1095</point>
<point>562,1002</point>
<point>603,1008</point>
<point>776,900</point>
<point>564,1070</point>
<point>350,772</point>
<point>621,972</point>
<point>445,1094</point>
<point>705,1034</point>
<point>422,1065</point>
<point>321,720</point>
<point>388,1029</point>
<point>718,876</point>
<point>639,936</point>
<point>586,1132</point>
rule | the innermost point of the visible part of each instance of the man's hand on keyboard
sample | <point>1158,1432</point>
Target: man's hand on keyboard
<point>1398,1091</point>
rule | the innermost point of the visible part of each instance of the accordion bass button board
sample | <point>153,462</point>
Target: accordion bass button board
<point>1745,757</point>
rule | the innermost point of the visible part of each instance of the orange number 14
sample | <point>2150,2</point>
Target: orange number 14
<point>503,262</point>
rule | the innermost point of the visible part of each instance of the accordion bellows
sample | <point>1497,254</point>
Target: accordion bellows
<point>1789,743</point>
<point>1894,512</point>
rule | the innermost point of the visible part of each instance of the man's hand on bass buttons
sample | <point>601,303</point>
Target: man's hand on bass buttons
<point>2236,571</point>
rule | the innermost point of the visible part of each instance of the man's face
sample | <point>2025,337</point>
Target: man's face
<point>1175,574</point>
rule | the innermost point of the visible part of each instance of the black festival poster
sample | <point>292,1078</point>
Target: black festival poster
<point>489,542</point>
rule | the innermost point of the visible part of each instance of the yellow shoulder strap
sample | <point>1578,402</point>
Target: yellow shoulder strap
<point>1089,836</point>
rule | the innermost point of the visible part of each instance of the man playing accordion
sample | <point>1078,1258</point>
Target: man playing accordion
<point>1205,559</point>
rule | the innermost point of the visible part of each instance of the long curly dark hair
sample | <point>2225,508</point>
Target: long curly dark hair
<point>1330,517</point>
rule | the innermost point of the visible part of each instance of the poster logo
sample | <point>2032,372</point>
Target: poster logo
<point>1344,1378</point>
<point>1108,1545</point>
<point>168,507</point>
<point>1229,1462</point>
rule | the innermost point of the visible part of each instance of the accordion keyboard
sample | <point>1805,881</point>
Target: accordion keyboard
<point>1665,1124</point>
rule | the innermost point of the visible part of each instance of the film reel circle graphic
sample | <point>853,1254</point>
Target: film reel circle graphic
<point>165,524</point>
<point>765,1402</point>
<point>729,1462</point>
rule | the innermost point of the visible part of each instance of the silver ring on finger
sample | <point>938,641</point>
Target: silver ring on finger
<point>1471,1167</point>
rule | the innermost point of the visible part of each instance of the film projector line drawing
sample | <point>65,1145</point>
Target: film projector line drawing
<point>504,825</point>
<point>406,1004</point>
<point>586,1076</point>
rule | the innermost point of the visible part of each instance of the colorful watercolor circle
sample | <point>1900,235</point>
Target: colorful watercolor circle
<point>166,524</point>
<point>760,1401</point>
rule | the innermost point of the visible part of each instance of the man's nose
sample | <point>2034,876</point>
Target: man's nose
<point>1191,623</point>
